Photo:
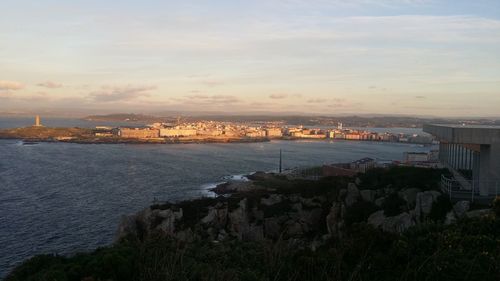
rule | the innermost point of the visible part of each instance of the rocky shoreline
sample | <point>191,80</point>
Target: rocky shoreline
<point>388,224</point>
<point>271,207</point>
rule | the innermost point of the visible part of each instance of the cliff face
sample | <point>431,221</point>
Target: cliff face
<point>257,211</point>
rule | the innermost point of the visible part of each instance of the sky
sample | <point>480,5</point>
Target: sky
<point>331,57</point>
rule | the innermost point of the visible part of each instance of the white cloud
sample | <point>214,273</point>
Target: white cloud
<point>120,93</point>
<point>50,84</point>
<point>10,85</point>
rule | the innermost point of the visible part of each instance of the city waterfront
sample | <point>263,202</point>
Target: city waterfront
<point>64,198</point>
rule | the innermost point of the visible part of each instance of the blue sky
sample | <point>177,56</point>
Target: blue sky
<point>416,57</point>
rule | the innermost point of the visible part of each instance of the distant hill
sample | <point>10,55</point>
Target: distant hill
<point>128,117</point>
<point>348,121</point>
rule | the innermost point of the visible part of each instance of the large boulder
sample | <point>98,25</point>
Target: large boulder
<point>368,195</point>
<point>478,213</point>
<point>352,195</point>
<point>238,220</point>
<point>376,219</point>
<point>271,200</point>
<point>398,224</point>
<point>394,224</point>
<point>409,195</point>
<point>335,218</point>
<point>379,201</point>
<point>424,202</point>
<point>461,208</point>
<point>217,216</point>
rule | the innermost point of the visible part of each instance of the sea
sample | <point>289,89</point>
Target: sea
<point>63,198</point>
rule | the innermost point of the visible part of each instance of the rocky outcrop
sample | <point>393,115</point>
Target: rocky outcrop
<point>410,196</point>
<point>368,195</point>
<point>268,214</point>
<point>335,218</point>
<point>352,195</point>
<point>394,224</point>
<point>423,204</point>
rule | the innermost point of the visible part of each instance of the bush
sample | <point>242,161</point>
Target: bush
<point>359,212</point>
<point>496,206</point>
<point>440,208</point>
<point>393,205</point>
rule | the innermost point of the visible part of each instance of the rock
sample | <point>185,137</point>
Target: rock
<point>272,228</point>
<point>409,195</point>
<point>395,224</point>
<point>450,218</point>
<point>342,193</point>
<point>254,233</point>
<point>398,224</point>
<point>313,202</point>
<point>478,213</point>
<point>167,225</point>
<point>293,229</point>
<point>311,217</point>
<point>271,200</point>
<point>461,208</point>
<point>379,201</point>
<point>352,194</point>
<point>357,181</point>
<point>222,235</point>
<point>128,226</point>
<point>424,202</point>
<point>334,219</point>
<point>217,216</point>
<point>368,195</point>
<point>376,219</point>
<point>238,220</point>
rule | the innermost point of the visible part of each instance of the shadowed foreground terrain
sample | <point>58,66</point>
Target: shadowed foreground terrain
<point>388,224</point>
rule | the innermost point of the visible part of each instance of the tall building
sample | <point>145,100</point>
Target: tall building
<point>37,121</point>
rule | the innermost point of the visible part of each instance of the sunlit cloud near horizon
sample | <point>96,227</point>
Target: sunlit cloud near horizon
<point>413,57</point>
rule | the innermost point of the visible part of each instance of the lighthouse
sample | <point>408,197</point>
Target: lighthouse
<point>37,121</point>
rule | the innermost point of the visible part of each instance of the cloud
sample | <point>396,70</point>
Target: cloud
<point>212,83</point>
<point>120,93</point>
<point>213,99</point>
<point>50,85</point>
<point>10,85</point>
<point>278,96</point>
<point>420,97</point>
<point>317,100</point>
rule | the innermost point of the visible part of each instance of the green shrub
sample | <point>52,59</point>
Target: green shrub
<point>496,206</point>
<point>359,212</point>
<point>440,208</point>
<point>393,205</point>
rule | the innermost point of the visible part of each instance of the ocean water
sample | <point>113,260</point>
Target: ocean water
<point>64,198</point>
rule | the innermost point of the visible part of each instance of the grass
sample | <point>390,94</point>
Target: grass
<point>469,250</point>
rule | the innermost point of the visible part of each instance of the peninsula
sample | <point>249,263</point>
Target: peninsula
<point>206,131</point>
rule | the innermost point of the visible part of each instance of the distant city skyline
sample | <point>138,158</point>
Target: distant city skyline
<point>337,57</point>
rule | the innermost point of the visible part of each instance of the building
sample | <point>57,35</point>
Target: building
<point>472,154</point>
<point>362,165</point>
<point>174,132</point>
<point>416,157</point>
<point>353,136</point>
<point>274,133</point>
<point>139,133</point>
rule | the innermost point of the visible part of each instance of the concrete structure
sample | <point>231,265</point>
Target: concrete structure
<point>173,132</point>
<point>137,133</point>
<point>416,156</point>
<point>274,133</point>
<point>472,154</point>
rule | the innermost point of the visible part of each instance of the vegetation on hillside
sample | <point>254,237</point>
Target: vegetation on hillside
<point>469,250</point>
